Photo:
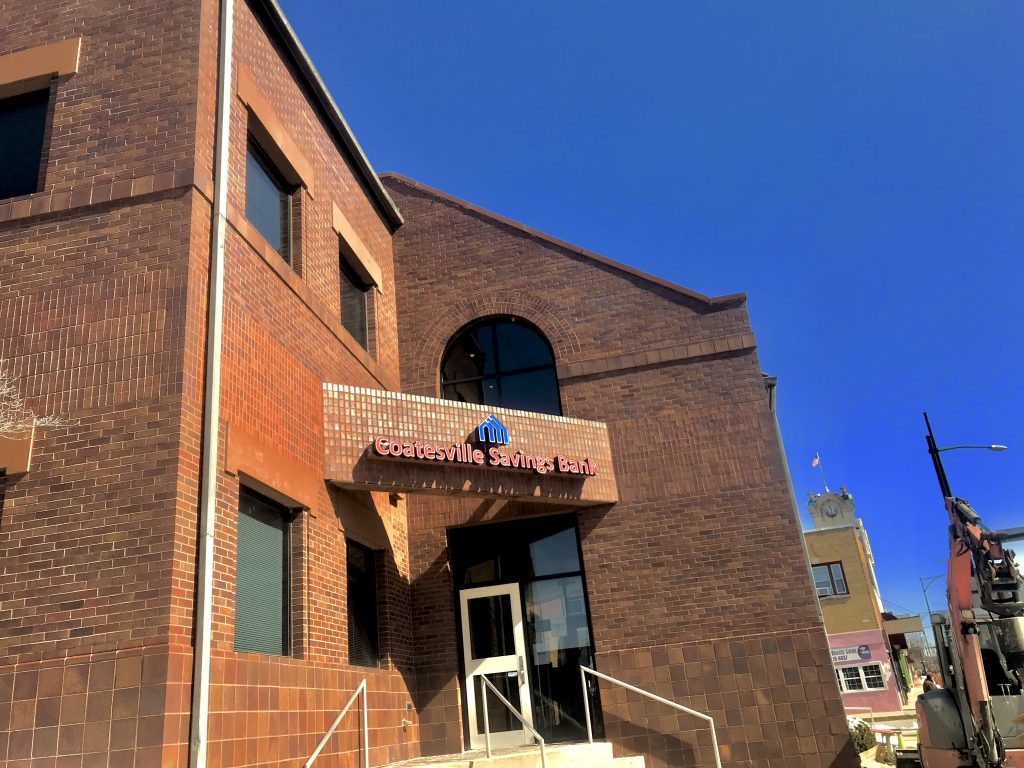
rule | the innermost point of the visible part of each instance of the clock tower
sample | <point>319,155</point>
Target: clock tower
<point>831,510</point>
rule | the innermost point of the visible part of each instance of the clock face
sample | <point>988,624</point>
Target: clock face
<point>831,510</point>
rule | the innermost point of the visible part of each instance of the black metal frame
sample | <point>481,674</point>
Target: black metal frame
<point>499,373</point>
<point>596,710</point>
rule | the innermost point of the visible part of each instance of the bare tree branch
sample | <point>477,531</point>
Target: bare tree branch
<point>15,415</point>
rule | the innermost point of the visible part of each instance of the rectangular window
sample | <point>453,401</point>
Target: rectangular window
<point>22,130</point>
<point>860,678</point>
<point>355,296</point>
<point>268,200</point>
<point>829,579</point>
<point>261,576</point>
<point>363,647</point>
<point>873,676</point>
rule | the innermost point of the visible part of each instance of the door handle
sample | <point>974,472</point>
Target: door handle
<point>522,668</point>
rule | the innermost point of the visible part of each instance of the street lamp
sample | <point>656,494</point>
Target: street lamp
<point>924,589</point>
<point>986,447</point>
<point>934,451</point>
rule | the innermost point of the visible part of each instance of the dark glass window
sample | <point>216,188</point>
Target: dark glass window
<point>22,128</point>
<point>267,200</point>
<point>504,362</point>
<point>261,576</point>
<point>498,553</point>
<point>490,627</point>
<point>363,649</point>
<point>355,296</point>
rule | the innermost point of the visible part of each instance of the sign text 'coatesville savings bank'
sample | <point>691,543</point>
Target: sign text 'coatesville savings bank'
<point>490,431</point>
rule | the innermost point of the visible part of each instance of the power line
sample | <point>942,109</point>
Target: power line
<point>900,607</point>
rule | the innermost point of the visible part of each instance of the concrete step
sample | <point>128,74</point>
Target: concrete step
<point>596,755</point>
<point>630,761</point>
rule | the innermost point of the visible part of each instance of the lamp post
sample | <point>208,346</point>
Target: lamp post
<point>924,589</point>
<point>934,451</point>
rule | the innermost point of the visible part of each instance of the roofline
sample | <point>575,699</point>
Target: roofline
<point>729,298</point>
<point>273,13</point>
<point>849,527</point>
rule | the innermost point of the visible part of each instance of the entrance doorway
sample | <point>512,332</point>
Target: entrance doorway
<point>523,614</point>
<point>494,647</point>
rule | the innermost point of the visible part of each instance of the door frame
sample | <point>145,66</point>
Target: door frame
<point>509,664</point>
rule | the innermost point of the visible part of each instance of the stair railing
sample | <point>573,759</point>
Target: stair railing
<point>519,716</point>
<point>584,671</point>
<point>359,691</point>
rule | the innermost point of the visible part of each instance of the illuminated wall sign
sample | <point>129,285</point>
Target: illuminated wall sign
<point>492,431</point>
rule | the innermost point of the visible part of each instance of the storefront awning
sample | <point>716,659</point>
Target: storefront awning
<point>388,441</point>
<point>902,626</point>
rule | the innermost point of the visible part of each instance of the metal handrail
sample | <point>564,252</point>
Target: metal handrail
<point>514,711</point>
<point>584,670</point>
<point>869,710</point>
<point>360,689</point>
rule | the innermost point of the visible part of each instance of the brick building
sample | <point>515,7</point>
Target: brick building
<point>404,440</point>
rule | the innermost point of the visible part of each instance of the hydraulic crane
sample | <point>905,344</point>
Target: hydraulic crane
<point>977,718</point>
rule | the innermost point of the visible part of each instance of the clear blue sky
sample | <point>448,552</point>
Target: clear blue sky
<point>856,167</point>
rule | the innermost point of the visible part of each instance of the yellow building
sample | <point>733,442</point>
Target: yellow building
<point>843,569</point>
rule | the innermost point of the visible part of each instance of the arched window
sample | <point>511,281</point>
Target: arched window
<point>501,361</point>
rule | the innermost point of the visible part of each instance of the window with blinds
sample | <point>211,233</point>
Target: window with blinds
<point>355,302</point>
<point>261,576</point>
<point>363,647</point>
<point>268,200</point>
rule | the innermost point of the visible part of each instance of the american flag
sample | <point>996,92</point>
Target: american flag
<point>815,461</point>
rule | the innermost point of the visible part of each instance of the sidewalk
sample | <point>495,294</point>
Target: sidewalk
<point>908,711</point>
<point>903,718</point>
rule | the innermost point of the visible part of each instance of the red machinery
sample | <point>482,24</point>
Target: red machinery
<point>977,718</point>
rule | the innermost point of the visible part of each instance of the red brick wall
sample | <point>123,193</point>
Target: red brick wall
<point>282,341</point>
<point>130,109</point>
<point>93,281</point>
<point>102,313</point>
<point>87,536</point>
<point>697,580</point>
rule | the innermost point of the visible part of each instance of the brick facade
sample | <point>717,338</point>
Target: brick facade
<point>102,315</point>
<point>93,319</point>
<point>698,584</point>
<point>355,417</point>
<point>103,286</point>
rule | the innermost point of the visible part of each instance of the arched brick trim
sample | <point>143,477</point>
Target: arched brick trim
<point>531,307</point>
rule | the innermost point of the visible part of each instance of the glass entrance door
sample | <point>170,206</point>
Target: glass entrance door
<point>541,555</point>
<point>494,646</point>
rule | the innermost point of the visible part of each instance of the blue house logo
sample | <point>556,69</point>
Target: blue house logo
<point>490,430</point>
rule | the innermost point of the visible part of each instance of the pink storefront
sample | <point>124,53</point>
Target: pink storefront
<point>864,670</point>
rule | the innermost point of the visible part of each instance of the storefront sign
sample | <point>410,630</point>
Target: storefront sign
<point>853,653</point>
<point>491,431</point>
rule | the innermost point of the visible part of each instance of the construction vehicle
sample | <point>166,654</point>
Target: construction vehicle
<point>976,720</point>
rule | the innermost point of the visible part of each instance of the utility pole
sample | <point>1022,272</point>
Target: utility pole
<point>927,605</point>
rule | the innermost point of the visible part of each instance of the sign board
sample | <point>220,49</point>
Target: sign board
<point>489,432</point>
<point>852,653</point>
